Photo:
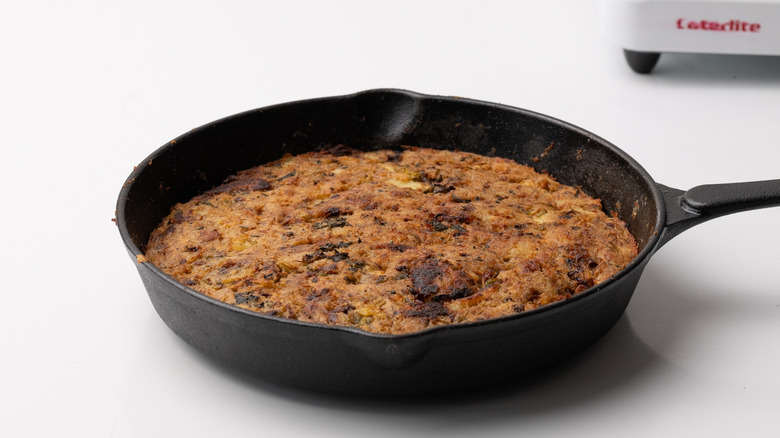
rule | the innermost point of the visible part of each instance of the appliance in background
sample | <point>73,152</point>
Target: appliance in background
<point>647,28</point>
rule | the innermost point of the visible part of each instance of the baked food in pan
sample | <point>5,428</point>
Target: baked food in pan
<point>390,241</point>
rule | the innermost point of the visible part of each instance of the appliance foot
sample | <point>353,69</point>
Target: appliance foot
<point>641,62</point>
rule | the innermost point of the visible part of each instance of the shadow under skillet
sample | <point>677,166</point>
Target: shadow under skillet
<point>707,69</point>
<point>616,361</point>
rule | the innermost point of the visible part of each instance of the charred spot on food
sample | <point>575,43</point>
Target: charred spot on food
<point>576,256</point>
<point>524,230</point>
<point>397,247</point>
<point>329,269</point>
<point>168,230</point>
<point>580,283</point>
<point>356,265</point>
<point>428,310</point>
<point>313,257</point>
<point>489,278</point>
<point>435,182</point>
<point>330,246</point>
<point>283,177</point>
<point>459,291</point>
<point>460,218</point>
<point>395,157</point>
<point>338,256</point>
<point>334,222</point>
<point>439,280</point>
<point>438,188</point>
<point>332,212</point>
<point>425,177</point>
<point>189,282</point>
<point>531,266</point>
<point>379,221</point>
<point>438,226</point>
<point>317,293</point>
<point>367,202</point>
<point>579,260</point>
<point>343,308</point>
<point>245,298</point>
<point>177,218</point>
<point>191,248</point>
<point>226,266</point>
<point>270,271</point>
<point>567,215</point>
<point>444,221</point>
<point>459,200</point>
<point>312,277</point>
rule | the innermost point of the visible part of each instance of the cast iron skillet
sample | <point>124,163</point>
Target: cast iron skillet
<point>442,359</point>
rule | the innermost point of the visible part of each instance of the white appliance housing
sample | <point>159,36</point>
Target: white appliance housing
<point>647,28</point>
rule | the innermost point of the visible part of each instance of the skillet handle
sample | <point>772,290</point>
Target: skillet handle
<point>685,209</point>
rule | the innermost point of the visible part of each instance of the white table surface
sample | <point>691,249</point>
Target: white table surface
<point>89,89</point>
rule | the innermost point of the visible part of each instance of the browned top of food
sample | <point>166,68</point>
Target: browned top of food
<point>391,241</point>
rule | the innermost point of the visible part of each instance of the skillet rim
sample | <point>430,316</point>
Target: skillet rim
<point>653,243</point>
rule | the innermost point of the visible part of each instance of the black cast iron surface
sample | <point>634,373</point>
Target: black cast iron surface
<point>444,359</point>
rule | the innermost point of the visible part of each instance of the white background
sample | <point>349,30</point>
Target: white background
<point>87,90</point>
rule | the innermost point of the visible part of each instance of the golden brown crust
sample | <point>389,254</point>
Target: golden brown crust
<point>389,241</point>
